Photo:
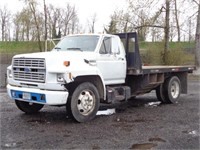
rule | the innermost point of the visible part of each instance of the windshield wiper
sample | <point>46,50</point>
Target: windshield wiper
<point>75,48</point>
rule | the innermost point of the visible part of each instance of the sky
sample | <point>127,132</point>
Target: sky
<point>86,9</point>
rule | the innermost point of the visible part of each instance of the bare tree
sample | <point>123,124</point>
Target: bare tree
<point>45,20</point>
<point>75,27</point>
<point>166,30</point>
<point>91,23</point>
<point>177,21</point>
<point>69,13</point>
<point>4,21</point>
<point>16,26</point>
<point>189,30</point>
<point>135,17</point>
<point>32,5</point>
<point>120,22</point>
<point>112,27</point>
<point>172,32</point>
<point>143,21</point>
<point>54,18</point>
<point>62,20</point>
<point>22,23</point>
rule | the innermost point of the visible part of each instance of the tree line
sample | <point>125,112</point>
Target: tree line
<point>31,23</point>
<point>162,20</point>
<point>152,17</point>
<point>147,17</point>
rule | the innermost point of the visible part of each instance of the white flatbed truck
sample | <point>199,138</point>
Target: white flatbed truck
<point>85,70</point>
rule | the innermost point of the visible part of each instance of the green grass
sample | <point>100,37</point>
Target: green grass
<point>32,46</point>
<point>180,53</point>
<point>151,52</point>
<point>22,46</point>
<point>18,47</point>
<point>172,45</point>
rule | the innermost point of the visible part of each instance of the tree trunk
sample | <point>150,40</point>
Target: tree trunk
<point>2,31</point>
<point>45,21</point>
<point>177,21</point>
<point>166,29</point>
<point>197,40</point>
<point>32,7</point>
<point>3,24</point>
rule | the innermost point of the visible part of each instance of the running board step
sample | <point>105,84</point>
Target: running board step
<point>119,93</point>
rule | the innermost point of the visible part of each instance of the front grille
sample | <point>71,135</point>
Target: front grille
<point>29,69</point>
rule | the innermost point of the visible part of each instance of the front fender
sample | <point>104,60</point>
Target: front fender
<point>90,74</point>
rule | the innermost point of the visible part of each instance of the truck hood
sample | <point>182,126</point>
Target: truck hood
<point>54,60</point>
<point>59,55</point>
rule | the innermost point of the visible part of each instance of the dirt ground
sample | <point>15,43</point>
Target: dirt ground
<point>137,124</point>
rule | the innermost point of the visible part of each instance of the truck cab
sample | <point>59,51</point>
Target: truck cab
<point>84,70</point>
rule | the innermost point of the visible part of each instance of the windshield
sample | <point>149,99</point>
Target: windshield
<point>78,43</point>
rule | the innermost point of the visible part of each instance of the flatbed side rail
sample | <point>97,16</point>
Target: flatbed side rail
<point>160,69</point>
<point>167,69</point>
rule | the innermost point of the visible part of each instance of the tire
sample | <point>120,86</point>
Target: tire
<point>172,89</point>
<point>84,102</point>
<point>27,107</point>
<point>160,94</point>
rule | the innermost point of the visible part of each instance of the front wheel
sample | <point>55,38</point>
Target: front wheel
<point>84,103</point>
<point>27,107</point>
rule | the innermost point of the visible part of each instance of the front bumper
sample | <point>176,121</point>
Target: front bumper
<point>37,96</point>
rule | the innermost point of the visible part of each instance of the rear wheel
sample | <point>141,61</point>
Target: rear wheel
<point>27,107</point>
<point>172,89</point>
<point>84,103</point>
<point>160,94</point>
<point>169,91</point>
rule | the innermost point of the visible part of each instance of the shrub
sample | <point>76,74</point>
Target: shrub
<point>152,54</point>
<point>179,57</point>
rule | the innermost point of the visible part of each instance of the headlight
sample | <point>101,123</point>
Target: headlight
<point>60,78</point>
<point>9,73</point>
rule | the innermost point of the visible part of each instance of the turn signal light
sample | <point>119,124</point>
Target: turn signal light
<point>66,63</point>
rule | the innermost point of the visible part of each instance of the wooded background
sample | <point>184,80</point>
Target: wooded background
<point>154,20</point>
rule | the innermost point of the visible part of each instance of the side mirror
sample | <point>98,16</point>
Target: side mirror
<point>115,46</point>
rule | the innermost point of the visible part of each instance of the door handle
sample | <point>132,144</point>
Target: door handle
<point>120,58</point>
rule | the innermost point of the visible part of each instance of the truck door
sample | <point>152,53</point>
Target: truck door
<point>111,60</point>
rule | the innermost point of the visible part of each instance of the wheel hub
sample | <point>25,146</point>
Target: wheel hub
<point>175,89</point>
<point>86,102</point>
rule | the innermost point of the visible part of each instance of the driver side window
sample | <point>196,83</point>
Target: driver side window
<point>106,46</point>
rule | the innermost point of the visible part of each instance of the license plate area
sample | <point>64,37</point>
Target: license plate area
<point>26,96</point>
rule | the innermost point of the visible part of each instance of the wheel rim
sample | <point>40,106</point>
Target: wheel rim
<point>86,102</point>
<point>175,89</point>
